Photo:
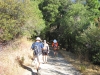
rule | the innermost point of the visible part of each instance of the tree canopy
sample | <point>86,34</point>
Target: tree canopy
<point>18,18</point>
<point>75,24</point>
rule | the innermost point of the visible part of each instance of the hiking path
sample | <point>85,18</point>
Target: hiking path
<point>55,66</point>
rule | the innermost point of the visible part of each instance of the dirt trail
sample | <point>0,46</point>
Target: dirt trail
<point>10,65</point>
<point>55,66</point>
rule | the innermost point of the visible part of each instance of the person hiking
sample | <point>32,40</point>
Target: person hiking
<point>45,51</point>
<point>55,47</point>
<point>37,51</point>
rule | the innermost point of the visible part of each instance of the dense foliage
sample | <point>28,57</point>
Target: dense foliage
<point>11,19</point>
<point>18,18</point>
<point>74,23</point>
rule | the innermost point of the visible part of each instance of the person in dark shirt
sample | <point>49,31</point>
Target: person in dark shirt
<point>37,51</point>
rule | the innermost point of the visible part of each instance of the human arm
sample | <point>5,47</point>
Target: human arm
<point>57,45</point>
<point>52,44</point>
<point>48,48</point>
<point>42,45</point>
<point>32,47</point>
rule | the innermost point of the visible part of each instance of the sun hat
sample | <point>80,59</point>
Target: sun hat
<point>55,41</point>
<point>38,38</point>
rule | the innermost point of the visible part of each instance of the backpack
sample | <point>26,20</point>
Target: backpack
<point>55,45</point>
<point>36,49</point>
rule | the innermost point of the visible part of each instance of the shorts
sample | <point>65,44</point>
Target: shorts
<point>38,58</point>
<point>45,52</point>
<point>55,50</point>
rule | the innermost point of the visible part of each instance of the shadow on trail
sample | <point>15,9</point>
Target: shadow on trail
<point>29,69</point>
<point>59,58</point>
<point>62,64</point>
<point>20,62</point>
<point>58,73</point>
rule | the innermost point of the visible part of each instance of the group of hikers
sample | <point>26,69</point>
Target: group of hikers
<point>41,48</point>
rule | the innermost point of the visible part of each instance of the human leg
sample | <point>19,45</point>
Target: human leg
<point>38,62</point>
<point>54,53</point>
<point>46,58</point>
<point>43,59</point>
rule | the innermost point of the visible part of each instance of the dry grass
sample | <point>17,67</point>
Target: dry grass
<point>14,56</point>
<point>9,56</point>
<point>85,67</point>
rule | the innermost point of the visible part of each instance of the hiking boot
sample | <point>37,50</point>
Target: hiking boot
<point>38,69</point>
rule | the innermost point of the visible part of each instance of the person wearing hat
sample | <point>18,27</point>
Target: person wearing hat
<point>37,47</point>
<point>55,47</point>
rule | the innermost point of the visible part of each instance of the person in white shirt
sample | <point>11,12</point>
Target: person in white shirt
<point>45,51</point>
